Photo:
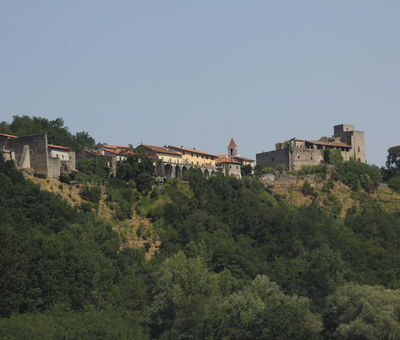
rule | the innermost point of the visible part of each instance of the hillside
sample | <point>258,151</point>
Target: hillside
<point>333,197</point>
<point>202,258</point>
<point>136,231</point>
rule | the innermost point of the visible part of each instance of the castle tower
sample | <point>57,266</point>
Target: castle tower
<point>356,139</point>
<point>232,148</point>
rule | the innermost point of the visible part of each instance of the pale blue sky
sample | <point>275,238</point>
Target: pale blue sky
<point>197,73</point>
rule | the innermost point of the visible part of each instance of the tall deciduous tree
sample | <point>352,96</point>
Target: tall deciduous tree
<point>393,158</point>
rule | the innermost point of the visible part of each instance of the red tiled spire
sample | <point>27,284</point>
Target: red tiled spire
<point>232,143</point>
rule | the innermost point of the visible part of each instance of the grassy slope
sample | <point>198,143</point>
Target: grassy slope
<point>385,197</point>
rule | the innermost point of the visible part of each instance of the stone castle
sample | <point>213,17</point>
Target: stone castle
<point>295,153</point>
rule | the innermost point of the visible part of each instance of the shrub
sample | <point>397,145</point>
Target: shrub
<point>91,194</point>
<point>85,207</point>
<point>394,183</point>
<point>312,169</point>
<point>352,173</point>
<point>308,190</point>
<point>39,175</point>
<point>65,178</point>
<point>328,186</point>
<point>332,156</point>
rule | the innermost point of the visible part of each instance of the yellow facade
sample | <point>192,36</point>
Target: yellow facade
<point>194,157</point>
<point>197,159</point>
<point>170,158</point>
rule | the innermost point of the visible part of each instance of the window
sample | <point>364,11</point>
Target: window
<point>192,154</point>
<point>359,149</point>
<point>237,167</point>
<point>298,157</point>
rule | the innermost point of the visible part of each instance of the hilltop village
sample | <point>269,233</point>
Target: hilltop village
<point>35,155</point>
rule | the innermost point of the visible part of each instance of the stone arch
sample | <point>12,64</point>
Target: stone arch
<point>178,172</point>
<point>206,173</point>
<point>184,169</point>
<point>168,171</point>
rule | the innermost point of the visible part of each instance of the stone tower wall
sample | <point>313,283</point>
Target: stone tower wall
<point>358,146</point>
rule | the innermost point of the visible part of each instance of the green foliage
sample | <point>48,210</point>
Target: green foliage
<point>190,302</point>
<point>308,190</point>
<point>332,156</point>
<point>121,197</point>
<point>363,312</point>
<point>97,168</point>
<point>50,253</point>
<point>358,175</point>
<point>56,132</point>
<point>262,311</point>
<point>312,169</point>
<point>184,297</point>
<point>394,183</point>
<point>259,170</point>
<point>224,244</point>
<point>138,169</point>
<point>246,170</point>
<point>106,324</point>
<point>393,158</point>
<point>280,168</point>
<point>90,193</point>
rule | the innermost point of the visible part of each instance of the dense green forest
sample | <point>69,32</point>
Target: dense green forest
<point>236,260</point>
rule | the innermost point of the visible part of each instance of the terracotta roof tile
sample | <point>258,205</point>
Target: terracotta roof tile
<point>6,135</point>
<point>232,143</point>
<point>58,147</point>
<point>239,158</point>
<point>192,150</point>
<point>245,159</point>
<point>161,149</point>
<point>319,142</point>
<point>115,147</point>
<point>226,159</point>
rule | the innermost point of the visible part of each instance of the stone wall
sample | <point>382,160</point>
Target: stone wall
<point>272,159</point>
<point>233,170</point>
<point>358,144</point>
<point>303,157</point>
<point>39,160</point>
<point>72,161</point>
<point>54,167</point>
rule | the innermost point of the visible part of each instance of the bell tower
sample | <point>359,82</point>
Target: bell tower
<point>232,148</point>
